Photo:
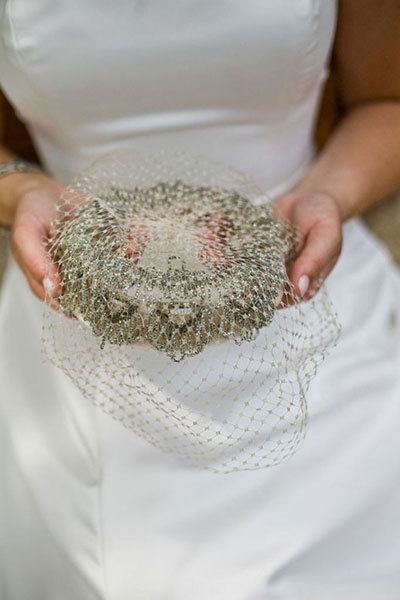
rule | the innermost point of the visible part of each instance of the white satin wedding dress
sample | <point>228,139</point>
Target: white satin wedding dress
<point>87,509</point>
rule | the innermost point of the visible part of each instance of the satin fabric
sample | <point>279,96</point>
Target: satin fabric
<point>87,509</point>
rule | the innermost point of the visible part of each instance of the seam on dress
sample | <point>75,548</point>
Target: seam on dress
<point>306,74</point>
<point>20,64</point>
<point>3,4</point>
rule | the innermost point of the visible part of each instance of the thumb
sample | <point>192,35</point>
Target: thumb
<point>28,242</point>
<point>321,249</point>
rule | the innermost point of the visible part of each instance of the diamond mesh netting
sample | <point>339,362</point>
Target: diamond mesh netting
<point>174,315</point>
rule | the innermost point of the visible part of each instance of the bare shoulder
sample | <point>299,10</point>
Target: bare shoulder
<point>367,50</point>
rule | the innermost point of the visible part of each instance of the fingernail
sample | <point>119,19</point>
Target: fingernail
<point>304,284</point>
<point>48,286</point>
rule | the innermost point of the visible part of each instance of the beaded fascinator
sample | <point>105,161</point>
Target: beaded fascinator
<point>177,317</point>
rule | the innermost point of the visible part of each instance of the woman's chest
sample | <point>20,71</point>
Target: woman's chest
<point>88,59</point>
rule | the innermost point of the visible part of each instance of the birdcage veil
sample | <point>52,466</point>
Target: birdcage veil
<point>177,317</point>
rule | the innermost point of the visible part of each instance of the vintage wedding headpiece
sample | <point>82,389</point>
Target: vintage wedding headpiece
<point>177,317</point>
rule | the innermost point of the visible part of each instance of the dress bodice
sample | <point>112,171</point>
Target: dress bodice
<point>237,81</point>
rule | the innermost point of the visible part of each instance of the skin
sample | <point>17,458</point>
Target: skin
<point>358,166</point>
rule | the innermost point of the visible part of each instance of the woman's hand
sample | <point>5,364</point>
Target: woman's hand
<point>33,198</point>
<point>316,217</point>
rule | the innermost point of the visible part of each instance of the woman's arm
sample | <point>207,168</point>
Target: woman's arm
<point>361,161</point>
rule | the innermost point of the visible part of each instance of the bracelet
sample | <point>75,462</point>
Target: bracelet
<point>18,166</point>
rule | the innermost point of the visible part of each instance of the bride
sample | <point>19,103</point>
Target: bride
<point>87,509</point>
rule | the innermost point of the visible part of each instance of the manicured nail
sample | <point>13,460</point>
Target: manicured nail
<point>304,284</point>
<point>48,286</point>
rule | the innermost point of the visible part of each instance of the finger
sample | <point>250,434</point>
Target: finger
<point>40,289</point>
<point>322,246</point>
<point>40,292</point>
<point>36,287</point>
<point>289,297</point>
<point>326,271</point>
<point>30,252</point>
<point>317,283</point>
